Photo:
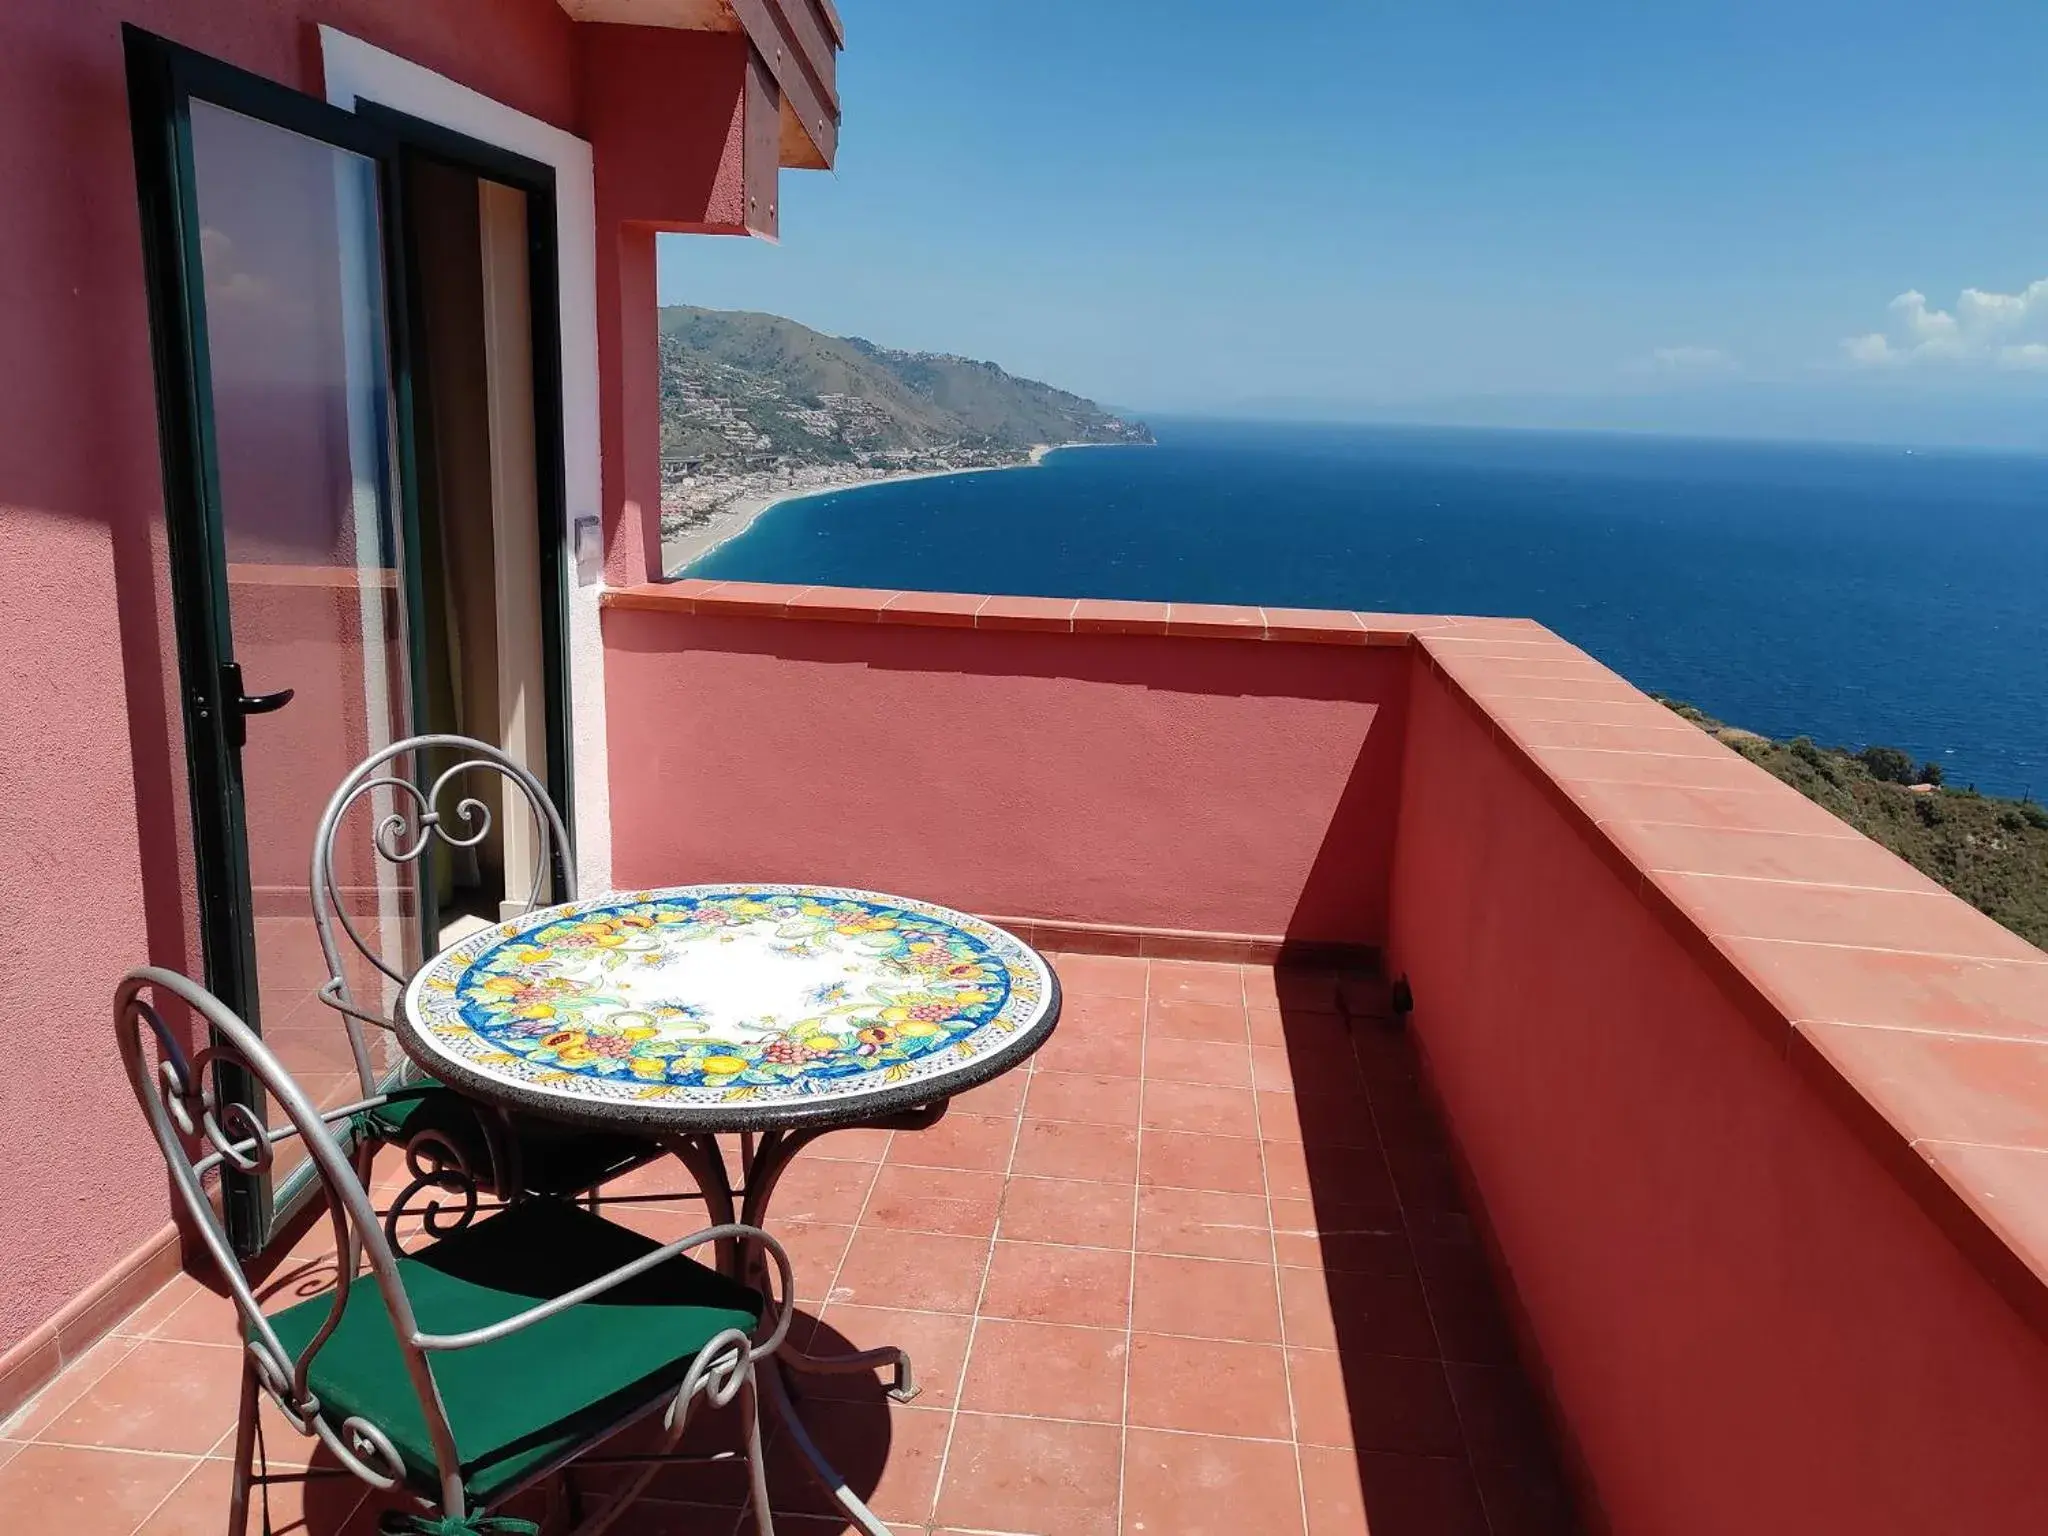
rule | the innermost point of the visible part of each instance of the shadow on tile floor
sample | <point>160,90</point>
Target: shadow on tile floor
<point>1425,1424</point>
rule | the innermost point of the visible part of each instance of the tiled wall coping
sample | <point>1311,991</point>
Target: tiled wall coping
<point>1921,1021</point>
<point>1084,615</point>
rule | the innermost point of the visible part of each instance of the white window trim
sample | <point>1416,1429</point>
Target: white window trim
<point>355,72</point>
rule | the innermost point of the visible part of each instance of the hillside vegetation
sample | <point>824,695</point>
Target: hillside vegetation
<point>741,390</point>
<point>1991,852</point>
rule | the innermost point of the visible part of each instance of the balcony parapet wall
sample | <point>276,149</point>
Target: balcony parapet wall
<point>1076,768</point>
<point>1922,1020</point>
<point>1755,1115</point>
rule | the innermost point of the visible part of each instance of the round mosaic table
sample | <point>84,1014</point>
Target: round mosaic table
<point>729,1007</point>
<point>776,1012</point>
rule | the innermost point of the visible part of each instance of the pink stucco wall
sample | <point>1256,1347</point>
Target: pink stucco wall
<point>1211,786</point>
<point>94,847</point>
<point>91,819</point>
<point>1749,1321</point>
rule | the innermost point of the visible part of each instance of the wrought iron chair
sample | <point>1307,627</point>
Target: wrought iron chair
<point>452,1144</point>
<point>478,1366</point>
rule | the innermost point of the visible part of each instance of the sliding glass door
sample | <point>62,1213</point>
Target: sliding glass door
<point>266,224</point>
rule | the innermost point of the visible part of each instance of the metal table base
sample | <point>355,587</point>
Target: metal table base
<point>764,1158</point>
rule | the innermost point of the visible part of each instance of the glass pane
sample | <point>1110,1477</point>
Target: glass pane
<point>295,314</point>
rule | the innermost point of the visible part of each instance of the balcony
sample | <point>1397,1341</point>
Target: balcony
<point>1704,1178</point>
<point>1205,1254</point>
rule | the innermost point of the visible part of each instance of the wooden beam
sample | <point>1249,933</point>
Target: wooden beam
<point>817,46</point>
<point>795,148</point>
<point>796,42</point>
<point>831,13</point>
<point>683,15</point>
<point>761,159</point>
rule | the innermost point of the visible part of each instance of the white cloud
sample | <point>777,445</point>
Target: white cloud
<point>1687,363</point>
<point>1994,330</point>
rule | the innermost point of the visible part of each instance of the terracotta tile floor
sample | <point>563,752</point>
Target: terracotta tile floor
<point>1201,1267</point>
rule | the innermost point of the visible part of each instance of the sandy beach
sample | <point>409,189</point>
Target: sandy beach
<point>683,550</point>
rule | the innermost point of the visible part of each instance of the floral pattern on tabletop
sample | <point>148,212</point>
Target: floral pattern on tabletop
<point>720,994</point>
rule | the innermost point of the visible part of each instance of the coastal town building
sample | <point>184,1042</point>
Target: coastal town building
<point>1483,1102</point>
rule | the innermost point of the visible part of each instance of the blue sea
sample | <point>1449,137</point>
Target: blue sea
<point>1850,594</point>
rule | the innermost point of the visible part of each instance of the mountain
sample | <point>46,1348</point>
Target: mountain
<point>748,391</point>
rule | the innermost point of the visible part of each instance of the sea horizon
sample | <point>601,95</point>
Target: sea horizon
<point>1854,593</point>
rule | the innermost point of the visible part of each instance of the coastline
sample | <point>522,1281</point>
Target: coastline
<point>737,516</point>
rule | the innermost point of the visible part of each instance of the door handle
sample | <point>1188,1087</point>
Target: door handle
<point>265,703</point>
<point>240,705</point>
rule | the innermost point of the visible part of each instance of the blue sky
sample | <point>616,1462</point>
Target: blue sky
<point>1675,214</point>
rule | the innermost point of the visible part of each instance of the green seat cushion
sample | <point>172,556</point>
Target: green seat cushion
<point>389,1121</point>
<point>553,1159</point>
<point>519,1402</point>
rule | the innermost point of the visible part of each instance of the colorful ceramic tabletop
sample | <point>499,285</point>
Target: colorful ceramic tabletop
<point>729,1007</point>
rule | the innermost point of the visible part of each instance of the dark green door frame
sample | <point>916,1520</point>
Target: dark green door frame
<point>417,139</point>
<point>164,78</point>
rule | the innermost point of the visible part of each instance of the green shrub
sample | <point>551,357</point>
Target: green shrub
<point>1888,764</point>
<point>1823,762</point>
